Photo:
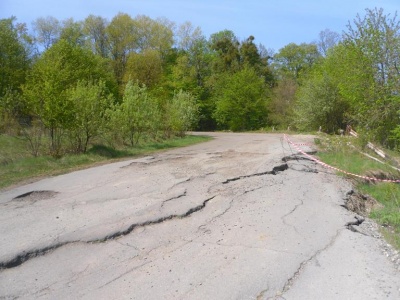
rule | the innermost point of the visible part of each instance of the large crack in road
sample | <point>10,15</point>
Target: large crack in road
<point>30,254</point>
<point>23,257</point>
<point>275,170</point>
<point>203,222</point>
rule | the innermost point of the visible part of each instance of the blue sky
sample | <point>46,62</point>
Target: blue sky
<point>274,23</point>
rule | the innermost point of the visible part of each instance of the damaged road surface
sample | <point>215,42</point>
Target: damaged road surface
<point>239,217</point>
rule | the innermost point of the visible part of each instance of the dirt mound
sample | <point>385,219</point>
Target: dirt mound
<point>360,204</point>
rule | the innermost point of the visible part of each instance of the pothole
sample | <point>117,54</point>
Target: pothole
<point>36,196</point>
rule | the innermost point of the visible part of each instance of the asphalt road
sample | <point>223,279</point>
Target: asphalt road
<point>226,219</point>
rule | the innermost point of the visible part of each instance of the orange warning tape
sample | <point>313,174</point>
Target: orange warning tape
<point>297,146</point>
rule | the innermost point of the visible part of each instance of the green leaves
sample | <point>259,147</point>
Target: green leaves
<point>320,103</point>
<point>296,60</point>
<point>376,40</point>
<point>136,115</point>
<point>241,101</point>
<point>145,67</point>
<point>57,71</point>
<point>89,101</point>
<point>182,113</point>
<point>164,85</point>
<point>14,56</point>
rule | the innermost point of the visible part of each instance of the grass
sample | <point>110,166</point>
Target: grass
<point>387,194</point>
<point>342,152</point>
<point>354,162</point>
<point>18,166</point>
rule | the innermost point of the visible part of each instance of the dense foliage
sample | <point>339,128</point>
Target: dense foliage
<point>358,82</point>
<point>134,78</point>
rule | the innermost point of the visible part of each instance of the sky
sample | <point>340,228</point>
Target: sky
<point>273,23</point>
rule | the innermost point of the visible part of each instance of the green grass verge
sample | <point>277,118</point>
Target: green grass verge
<point>388,194</point>
<point>18,166</point>
<point>338,152</point>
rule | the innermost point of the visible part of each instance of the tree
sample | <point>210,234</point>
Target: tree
<point>123,39</point>
<point>249,53</point>
<point>47,31</point>
<point>337,91</point>
<point>136,115</point>
<point>226,46</point>
<point>14,64</point>
<point>72,32</point>
<point>192,69</point>
<point>57,70</point>
<point>282,103</point>
<point>193,63</point>
<point>320,104</point>
<point>182,113</point>
<point>14,56</point>
<point>153,34</point>
<point>295,60</point>
<point>187,35</point>
<point>241,101</point>
<point>89,100</point>
<point>327,40</point>
<point>94,28</point>
<point>376,37</point>
<point>145,67</point>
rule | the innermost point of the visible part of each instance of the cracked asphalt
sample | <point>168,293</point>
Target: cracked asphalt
<point>239,217</point>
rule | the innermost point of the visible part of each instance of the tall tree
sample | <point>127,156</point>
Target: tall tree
<point>226,46</point>
<point>14,55</point>
<point>57,70</point>
<point>145,67</point>
<point>14,64</point>
<point>94,28</point>
<point>123,39</point>
<point>188,35</point>
<point>182,113</point>
<point>338,91</point>
<point>320,103</point>
<point>192,65</point>
<point>377,38</point>
<point>291,65</point>
<point>153,34</point>
<point>72,32</point>
<point>47,31</point>
<point>241,101</point>
<point>282,103</point>
<point>327,40</point>
<point>90,101</point>
<point>251,55</point>
<point>294,60</point>
<point>136,115</point>
<point>249,52</point>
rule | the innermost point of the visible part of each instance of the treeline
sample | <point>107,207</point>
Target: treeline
<point>135,78</point>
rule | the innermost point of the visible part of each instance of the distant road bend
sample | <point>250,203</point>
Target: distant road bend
<point>240,217</point>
